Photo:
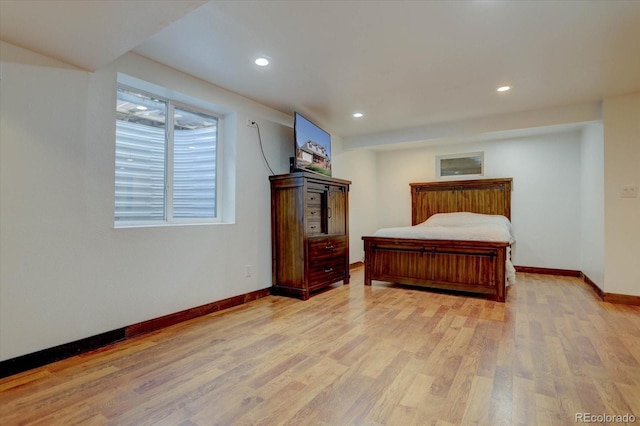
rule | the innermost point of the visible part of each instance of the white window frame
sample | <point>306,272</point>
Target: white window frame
<point>169,220</point>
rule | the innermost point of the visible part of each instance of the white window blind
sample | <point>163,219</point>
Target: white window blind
<point>166,161</point>
<point>194,172</point>
<point>140,159</point>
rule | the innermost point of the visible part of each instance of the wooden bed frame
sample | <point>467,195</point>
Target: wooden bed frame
<point>469,266</point>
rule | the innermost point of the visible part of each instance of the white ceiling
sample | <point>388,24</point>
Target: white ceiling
<point>405,64</point>
<point>86,33</point>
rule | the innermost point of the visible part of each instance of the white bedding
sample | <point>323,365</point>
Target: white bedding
<point>460,226</point>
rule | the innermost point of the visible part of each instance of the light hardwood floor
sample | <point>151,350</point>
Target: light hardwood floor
<point>380,355</point>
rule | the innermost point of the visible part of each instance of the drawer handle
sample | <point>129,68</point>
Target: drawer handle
<point>328,248</point>
<point>328,270</point>
<point>313,212</point>
<point>313,227</point>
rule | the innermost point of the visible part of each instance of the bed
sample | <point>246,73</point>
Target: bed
<point>439,258</point>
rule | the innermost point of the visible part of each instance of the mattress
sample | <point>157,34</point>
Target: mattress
<point>463,226</point>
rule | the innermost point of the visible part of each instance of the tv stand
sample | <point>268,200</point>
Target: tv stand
<point>309,232</point>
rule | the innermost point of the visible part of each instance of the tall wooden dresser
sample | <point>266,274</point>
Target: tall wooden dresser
<point>309,232</point>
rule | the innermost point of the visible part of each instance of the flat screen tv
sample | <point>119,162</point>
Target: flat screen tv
<point>313,147</point>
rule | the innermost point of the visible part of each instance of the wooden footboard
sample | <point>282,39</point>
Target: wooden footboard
<point>470,266</point>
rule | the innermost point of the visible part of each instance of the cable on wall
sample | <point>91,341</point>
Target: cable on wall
<point>261,148</point>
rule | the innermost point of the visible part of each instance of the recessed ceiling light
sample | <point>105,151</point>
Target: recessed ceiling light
<point>358,115</point>
<point>504,88</point>
<point>262,62</point>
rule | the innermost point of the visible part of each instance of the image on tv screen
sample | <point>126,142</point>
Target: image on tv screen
<point>313,147</point>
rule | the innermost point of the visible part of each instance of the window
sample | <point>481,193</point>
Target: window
<point>464,165</point>
<point>166,167</point>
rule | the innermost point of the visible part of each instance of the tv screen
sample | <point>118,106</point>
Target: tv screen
<point>313,146</point>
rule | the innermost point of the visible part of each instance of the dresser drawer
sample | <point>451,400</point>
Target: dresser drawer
<point>314,212</point>
<point>313,199</point>
<point>314,226</point>
<point>327,272</point>
<point>314,220</point>
<point>325,248</point>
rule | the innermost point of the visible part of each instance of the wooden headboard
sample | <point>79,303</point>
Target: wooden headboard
<point>487,196</point>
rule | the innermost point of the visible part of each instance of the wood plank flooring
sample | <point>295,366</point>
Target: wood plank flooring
<point>356,355</point>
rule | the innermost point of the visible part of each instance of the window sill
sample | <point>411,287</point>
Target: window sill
<point>129,225</point>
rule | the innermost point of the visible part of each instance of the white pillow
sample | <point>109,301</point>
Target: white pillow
<point>467,219</point>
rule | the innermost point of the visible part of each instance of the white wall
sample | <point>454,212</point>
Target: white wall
<point>360,168</point>
<point>545,198</point>
<point>592,203</point>
<point>621,118</point>
<point>65,272</point>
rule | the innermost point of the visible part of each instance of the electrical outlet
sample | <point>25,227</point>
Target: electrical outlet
<point>251,123</point>
<point>629,191</point>
<point>248,271</point>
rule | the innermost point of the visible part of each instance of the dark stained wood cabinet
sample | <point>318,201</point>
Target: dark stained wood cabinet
<point>309,232</point>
